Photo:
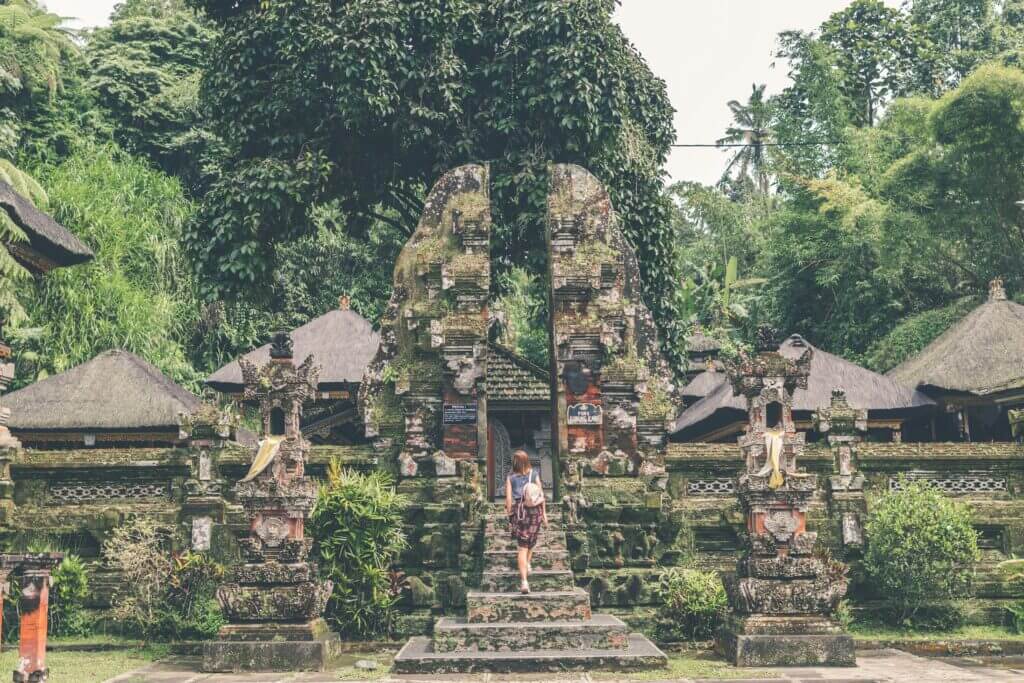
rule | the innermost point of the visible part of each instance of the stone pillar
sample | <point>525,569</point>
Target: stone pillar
<point>613,392</point>
<point>34,603</point>
<point>844,427</point>
<point>206,430</point>
<point>782,595</point>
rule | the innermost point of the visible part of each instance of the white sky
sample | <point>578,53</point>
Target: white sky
<point>709,52</point>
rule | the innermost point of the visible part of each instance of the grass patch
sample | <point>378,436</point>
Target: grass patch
<point>872,631</point>
<point>686,665</point>
<point>86,667</point>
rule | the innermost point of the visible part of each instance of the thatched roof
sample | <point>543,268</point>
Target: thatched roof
<point>513,379</point>
<point>864,389</point>
<point>116,390</point>
<point>703,384</point>
<point>982,354</point>
<point>342,343</point>
<point>46,237</point>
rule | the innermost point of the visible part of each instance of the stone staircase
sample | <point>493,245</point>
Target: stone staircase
<point>551,629</point>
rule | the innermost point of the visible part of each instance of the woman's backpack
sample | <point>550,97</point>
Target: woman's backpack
<point>533,493</point>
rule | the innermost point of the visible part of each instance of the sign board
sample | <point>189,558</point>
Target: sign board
<point>584,414</point>
<point>459,414</point>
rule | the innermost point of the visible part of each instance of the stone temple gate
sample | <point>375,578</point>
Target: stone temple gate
<point>424,400</point>
<point>424,397</point>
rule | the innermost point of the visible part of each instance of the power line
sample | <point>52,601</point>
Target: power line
<point>814,143</point>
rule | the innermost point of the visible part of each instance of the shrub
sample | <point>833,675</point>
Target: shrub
<point>921,552</point>
<point>162,595</point>
<point>692,604</point>
<point>67,599</point>
<point>357,525</point>
<point>191,611</point>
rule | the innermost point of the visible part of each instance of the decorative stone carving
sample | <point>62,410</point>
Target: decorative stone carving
<point>275,600</point>
<point>781,595</point>
<point>433,351</point>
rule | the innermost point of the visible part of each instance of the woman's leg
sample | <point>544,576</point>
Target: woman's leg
<point>523,560</point>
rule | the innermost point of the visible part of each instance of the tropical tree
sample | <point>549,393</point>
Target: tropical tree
<point>39,75</point>
<point>363,106</point>
<point>751,130</point>
<point>144,71</point>
<point>879,55</point>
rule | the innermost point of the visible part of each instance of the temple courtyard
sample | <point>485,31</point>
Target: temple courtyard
<point>872,665</point>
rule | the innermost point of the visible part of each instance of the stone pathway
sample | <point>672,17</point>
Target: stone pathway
<point>881,666</point>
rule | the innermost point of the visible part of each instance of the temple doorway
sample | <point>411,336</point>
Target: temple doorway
<point>509,432</point>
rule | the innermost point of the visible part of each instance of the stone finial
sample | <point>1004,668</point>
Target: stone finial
<point>344,302</point>
<point>281,346</point>
<point>996,290</point>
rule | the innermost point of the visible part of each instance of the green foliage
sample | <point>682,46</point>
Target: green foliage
<point>67,599</point>
<point>191,612</point>
<point>921,552</point>
<point>12,274</point>
<point>913,334</point>
<point>522,314</point>
<point>144,72</point>
<point>137,293</point>
<point>357,524</point>
<point>161,595</point>
<point>750,128</point>
<point>139,551</point>
<point>44,106</point>
<point>365,104</point>
<point>692,603</point>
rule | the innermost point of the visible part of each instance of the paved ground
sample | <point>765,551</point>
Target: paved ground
<point>882,666</point>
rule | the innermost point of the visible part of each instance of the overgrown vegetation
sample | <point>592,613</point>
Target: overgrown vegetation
<point>357,524</point>
<point>921,554</point>
<point>161,595</point>
<point>691,605</point>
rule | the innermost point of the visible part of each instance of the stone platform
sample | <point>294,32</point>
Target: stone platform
<point>550,630</point>
<point>273,647</point>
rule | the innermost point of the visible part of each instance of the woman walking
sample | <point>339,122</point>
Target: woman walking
<point>527,511</point>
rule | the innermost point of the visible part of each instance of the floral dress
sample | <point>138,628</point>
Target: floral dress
<point>524,522</point>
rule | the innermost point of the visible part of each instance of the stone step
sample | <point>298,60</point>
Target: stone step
<point>541,580</point>
<point>503,541</point>
<point>419,657</point>
<point>602,632</point>
<point>571,605</point>
<point>543,558</point>
<point>502,525</point>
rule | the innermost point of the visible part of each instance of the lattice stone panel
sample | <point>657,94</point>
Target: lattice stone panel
<point>74,492</point>
<point>710,487</point>
<point>956,484</point>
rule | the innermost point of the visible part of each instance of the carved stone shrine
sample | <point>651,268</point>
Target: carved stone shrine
<point>274,600</point>
<point>782,595</point>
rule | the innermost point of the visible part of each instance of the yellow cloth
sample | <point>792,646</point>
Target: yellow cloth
<point>268,449</point>
<point>773,445</point>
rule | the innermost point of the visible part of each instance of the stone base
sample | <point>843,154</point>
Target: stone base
<point>784,641</point>
<point>418,657</point>
<point>272,647</point>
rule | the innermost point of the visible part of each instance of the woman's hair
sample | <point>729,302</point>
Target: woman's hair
<point>520,462</point>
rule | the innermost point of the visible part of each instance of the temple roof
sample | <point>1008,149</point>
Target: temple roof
<point>116,390</point>
<point>512,378</point>
<point>864,389</point>
<point>49,243</point>
<point>982,354</point>
<point>703,384</point>
<point>342,343</point>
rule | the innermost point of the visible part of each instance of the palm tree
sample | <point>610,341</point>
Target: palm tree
<point>750,129</point>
